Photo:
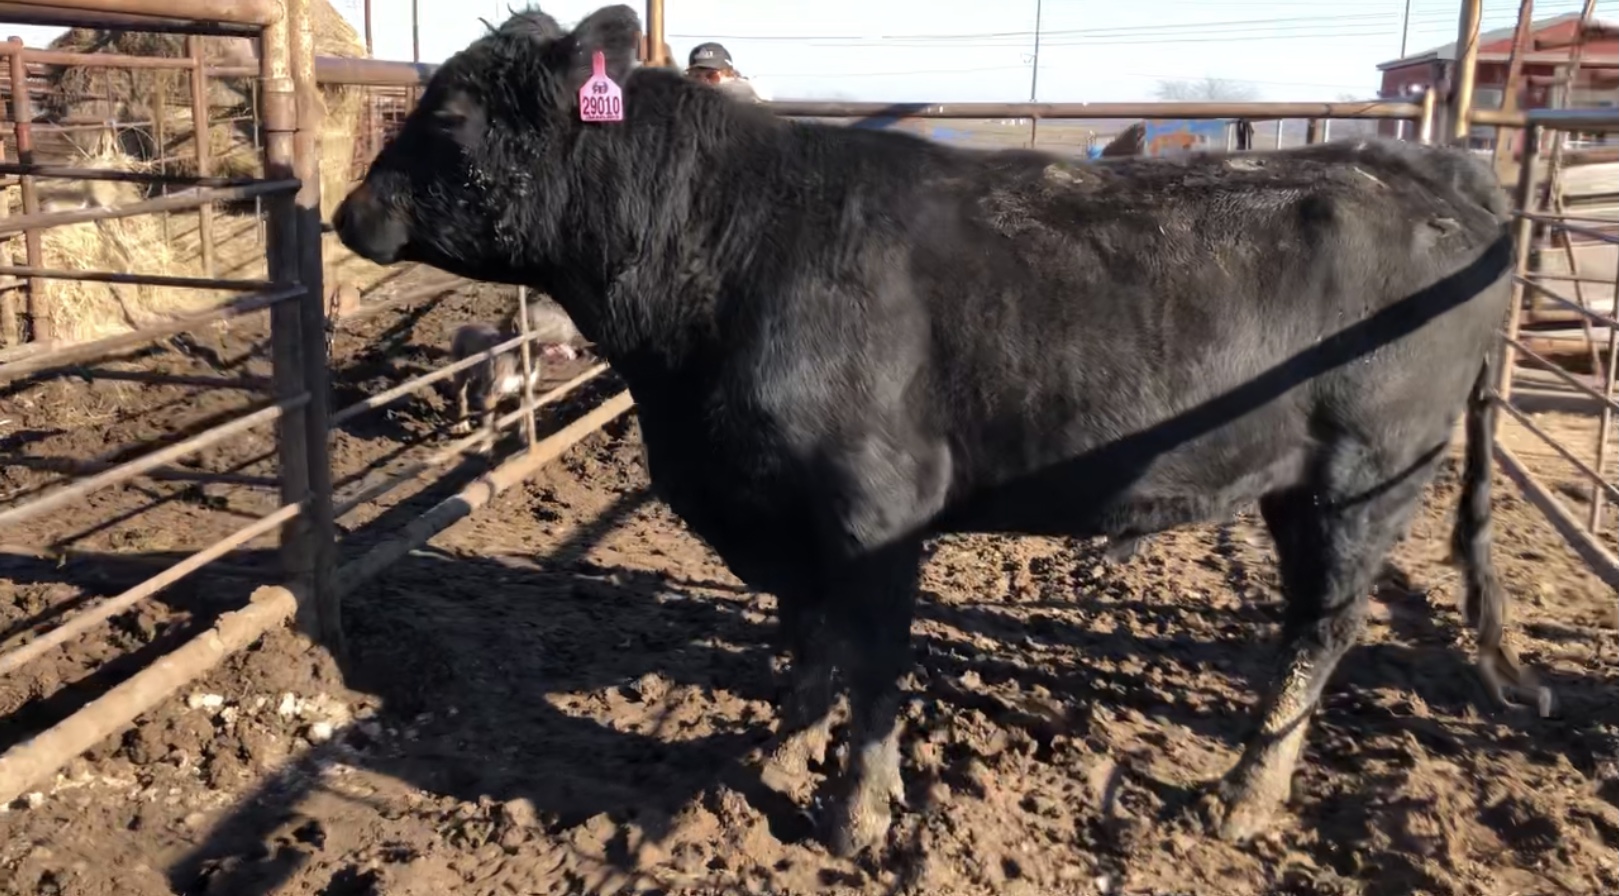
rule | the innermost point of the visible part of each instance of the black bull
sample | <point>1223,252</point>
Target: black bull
<point>841,342</point>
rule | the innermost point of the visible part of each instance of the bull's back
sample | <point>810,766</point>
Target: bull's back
<point>1152,338</point>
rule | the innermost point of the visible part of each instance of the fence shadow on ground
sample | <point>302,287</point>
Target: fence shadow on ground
<point>492,637</point>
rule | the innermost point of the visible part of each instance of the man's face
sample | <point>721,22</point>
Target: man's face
<point>706,75</point>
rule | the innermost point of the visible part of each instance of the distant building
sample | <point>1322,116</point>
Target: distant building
<point>1434,70</point>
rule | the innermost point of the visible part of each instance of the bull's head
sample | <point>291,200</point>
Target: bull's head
<point>485,171</point>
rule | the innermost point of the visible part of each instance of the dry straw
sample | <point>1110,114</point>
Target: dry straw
<point>134,99</point>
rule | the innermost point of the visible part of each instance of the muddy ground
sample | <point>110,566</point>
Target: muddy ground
<point>558,694</point>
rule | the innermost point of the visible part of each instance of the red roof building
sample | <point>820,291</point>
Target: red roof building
<point>1434,69</point>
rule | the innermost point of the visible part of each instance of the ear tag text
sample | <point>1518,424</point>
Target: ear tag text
<point>600,99</point>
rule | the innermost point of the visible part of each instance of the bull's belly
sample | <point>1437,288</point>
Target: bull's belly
<point>760,533</point>
<point>1085,501</point>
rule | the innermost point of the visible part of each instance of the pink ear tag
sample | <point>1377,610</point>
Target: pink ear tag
<point>600,99</point>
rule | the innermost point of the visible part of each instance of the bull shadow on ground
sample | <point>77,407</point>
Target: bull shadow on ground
<point>522,649</point>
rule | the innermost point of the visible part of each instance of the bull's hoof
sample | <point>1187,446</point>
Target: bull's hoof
<point>1513,685</point>
<point>1236,814</point>
<point>785,769</point>
<point>858,826</point>
<point>860,821</point>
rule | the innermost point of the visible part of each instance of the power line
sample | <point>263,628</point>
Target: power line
<point>1281,24</point>
<point>991,35</point>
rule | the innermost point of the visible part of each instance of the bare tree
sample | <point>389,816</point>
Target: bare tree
<point>1352,127</point>
<point>1205,90</point>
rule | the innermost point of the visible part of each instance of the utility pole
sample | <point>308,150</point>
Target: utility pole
<point>415,31</point>
<point>1405,28</point>
<point>1034,76</point>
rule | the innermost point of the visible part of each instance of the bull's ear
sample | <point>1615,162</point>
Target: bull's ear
<point>616,32</point>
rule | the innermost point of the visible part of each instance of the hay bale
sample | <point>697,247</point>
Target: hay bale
<point>57,194</point>
<point>80,311</point>
<point>130,99</point>
<point>134,98</point>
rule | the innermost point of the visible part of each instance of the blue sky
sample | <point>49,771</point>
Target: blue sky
<point>970,50</point>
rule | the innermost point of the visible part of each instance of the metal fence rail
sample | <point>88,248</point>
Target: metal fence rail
<point>1544,218</point>
<point>1583,531</point>
<point>296,399</point>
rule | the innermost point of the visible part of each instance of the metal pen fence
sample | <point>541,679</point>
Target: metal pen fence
<point>295,399</point>
<point>294,402</point>
<point>1593,463</point>
<point>1540,356</point>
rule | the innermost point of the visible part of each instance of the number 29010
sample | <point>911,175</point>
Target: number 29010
<point>608,107</point>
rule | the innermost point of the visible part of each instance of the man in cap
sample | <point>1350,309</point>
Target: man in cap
<point>711,63</point>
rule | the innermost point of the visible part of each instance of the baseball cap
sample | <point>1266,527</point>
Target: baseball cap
<point>709,55</point>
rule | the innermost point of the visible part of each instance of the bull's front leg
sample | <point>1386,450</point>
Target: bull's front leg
<point>872,601</point>
<point>805,729</point>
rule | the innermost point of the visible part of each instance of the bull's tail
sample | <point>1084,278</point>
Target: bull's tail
<point>1485,604</point>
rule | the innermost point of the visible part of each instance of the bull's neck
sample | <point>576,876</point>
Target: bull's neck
<point>655,245</point>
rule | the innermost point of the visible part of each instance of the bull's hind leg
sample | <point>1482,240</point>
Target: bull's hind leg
<point>872,603</point>
<point>1330,545</point>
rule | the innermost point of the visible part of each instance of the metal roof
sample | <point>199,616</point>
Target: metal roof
<point>1447,53</point>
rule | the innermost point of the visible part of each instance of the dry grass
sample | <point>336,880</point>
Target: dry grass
<point>142,95</point>
<point>79,311</point>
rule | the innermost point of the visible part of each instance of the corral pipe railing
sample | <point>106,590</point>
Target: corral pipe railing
<point>1583,535</point>
<point>94,13</point>
<point>298,391</point>
<point>382,73</point>
<point>1375,109</point>
<point>1583,532</point>
<point>24,13</point>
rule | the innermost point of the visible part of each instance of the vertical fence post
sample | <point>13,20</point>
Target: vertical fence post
<point>1312,131</point>
<point>1425,126</point>
<point>160,115</point>
<point>287,345</point>
<point>202,138</point>
<point>528,367</point>
<point>654,32</point>
<point>1280,124</point>
<point>1599,497</point>
<point>1523,231</point>
<point>312,308</point>
<point>1466,70</point>
<point>22,117</point>
<point>10,327</point>
<point>259,128</point>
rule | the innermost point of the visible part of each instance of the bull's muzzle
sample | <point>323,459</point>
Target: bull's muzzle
<point>369,228</point>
